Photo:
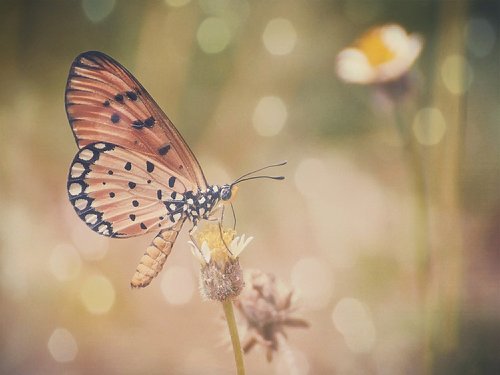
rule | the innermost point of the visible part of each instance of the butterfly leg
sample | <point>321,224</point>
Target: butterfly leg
<point>222,238</point>
<point>220,230</point>
<point>191,233</point>
<point>155,256</point>
<point>234,216</point>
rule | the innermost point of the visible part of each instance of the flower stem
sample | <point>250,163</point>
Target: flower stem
<point>422,237</point>
<point>421,207</point>
<point>235,339</point>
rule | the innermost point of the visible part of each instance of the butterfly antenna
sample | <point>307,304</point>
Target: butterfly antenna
<point>242,178</point>
<point>256,177</point>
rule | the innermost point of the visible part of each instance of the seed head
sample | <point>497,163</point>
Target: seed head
<point>220,274</point>
<point>265,306</point>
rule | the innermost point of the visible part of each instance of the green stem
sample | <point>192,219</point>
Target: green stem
<point>421,209</point>
<point>422,236</point>
<point>235,339</point>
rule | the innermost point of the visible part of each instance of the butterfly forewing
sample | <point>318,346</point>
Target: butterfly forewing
<point>133,167</point>
<point>105,103</point>
<point>123,193</point>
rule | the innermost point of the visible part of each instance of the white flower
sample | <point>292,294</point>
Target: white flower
<point>210,249</point>
<point>239,244</point>
<point>382,54</point>
<point>202,254</point>
<point>221,275</point>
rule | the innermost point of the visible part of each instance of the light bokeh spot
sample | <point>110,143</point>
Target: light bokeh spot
<point>62,345</point>
<point>353,320</point>
<point>300,362</point>
<point>97,294</point>
<point>308,170</point>
<point>213,35</point>
<point>65,262</point>
<point>429,126</point>
<point>90,247</point>
<point>269,116</point>
<point>313,280</point>
<point>279,36</point>
<point>177,285</point>
<point>177,3</point>
<point>97,10</point>
<point>456,73</point>
<point>481,37</point>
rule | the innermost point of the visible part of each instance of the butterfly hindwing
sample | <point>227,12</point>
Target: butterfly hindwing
<point>122,193</point>
<point>105,103</point>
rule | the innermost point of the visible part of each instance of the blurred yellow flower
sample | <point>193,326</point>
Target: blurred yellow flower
<point>382,54</point>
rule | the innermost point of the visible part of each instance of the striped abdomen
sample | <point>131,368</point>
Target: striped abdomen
<point>155,256</point>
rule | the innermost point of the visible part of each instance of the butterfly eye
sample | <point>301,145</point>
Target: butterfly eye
<point>225,193</point>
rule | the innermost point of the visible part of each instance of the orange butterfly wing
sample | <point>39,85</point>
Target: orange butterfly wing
<point>105,103</point>
<point>121,193</point>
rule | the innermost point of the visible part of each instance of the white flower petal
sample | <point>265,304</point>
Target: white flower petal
<point>354,66</point>
<point>205,252</point>
<point>239,244</point>
<point>196,252</point>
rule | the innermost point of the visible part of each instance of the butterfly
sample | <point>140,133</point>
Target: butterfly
<point>133,173</point>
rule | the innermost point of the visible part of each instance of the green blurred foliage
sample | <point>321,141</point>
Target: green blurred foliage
<point>211,99</point>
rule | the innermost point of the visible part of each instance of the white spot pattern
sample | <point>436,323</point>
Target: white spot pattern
<point>75,189</point>
<point>91,218</point>
<point>86,154</point>
<point>81,203</point>
<point>77,170</point>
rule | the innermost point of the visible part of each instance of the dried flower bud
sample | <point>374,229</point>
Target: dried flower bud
<point>265,306</point>
<point>220,275</point>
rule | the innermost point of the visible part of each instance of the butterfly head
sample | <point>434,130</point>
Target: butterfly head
<point>228,192</point>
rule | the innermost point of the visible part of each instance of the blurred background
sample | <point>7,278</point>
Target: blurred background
<point>249,83</point>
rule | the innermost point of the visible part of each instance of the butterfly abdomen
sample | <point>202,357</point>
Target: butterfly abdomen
<point>155,256</point>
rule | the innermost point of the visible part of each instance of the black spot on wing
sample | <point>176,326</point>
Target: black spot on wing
<point>138,124</point>
<point>131,184</point>
<point>119,98</point>
<point>164,149</point>
<point>171,181</point>
<point>115,118</point>
<point>150,166</point>
<point>132,217</point>
<point>128,166</point>
<point>135,203</point>
<point>149,122</point>
<point>131,95</point>
<point>143,226</point>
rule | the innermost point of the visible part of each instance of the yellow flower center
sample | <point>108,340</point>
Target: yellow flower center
<point>212,236</point>
<point>374,47</point>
